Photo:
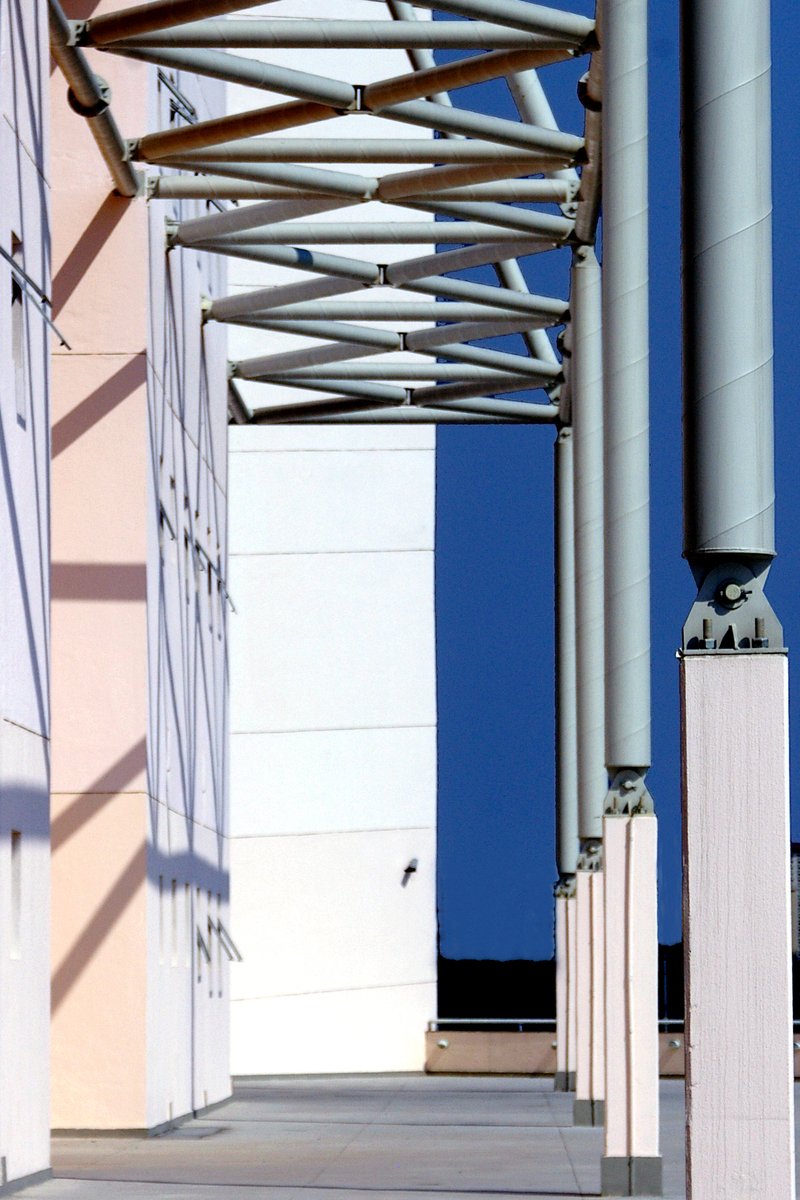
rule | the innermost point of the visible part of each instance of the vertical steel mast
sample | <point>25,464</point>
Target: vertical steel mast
<point>733,668</point>
<point>631,1162</point>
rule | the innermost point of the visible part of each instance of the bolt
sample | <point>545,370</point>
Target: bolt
<point>730,593</point>
<point>443,1043</point>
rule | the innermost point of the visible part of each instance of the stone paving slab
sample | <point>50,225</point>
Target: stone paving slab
<point>362,1138</point>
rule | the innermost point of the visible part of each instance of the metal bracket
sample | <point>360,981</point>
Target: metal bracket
<point>731,611</point>
<point>628,795</point>
<point>565,888</point>
<point>590,857</point>
<point>101,104</point>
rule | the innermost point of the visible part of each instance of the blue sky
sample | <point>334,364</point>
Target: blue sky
<point>495,565</point>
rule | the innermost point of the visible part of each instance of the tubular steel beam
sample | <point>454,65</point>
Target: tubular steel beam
<point>204,187</point>
<point>323,34</point>
<point>368,150</point>
<point>586,391</point>
<point>535,18</point>
<point>407,415</point>
<point>566,681</point>
<point>250,72</point>
<point>146,18</point>
<point>90,97</point>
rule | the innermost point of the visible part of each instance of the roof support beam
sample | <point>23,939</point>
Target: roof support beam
<point>145,18</point>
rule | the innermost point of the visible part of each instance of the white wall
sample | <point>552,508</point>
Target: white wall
<point>333,752</point>
<point>24,605</point>
<point>333,705</point>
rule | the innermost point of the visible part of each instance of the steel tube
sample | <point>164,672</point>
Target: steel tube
<point>93,97</point>
<point>363,150</point>
<point>509,272</point>
<point>491,386</point>
<point>566,701</point>
<point>729,488</point>
<point>478,293</point>
<point>535,18</point>
<point>322,34</point>
<point>586,391</point>
<point>537,414</point>
<point>355,389</point>
<point>407,415</point>
<point>248,71</point>
<point>316,262</point>
<point>249,218</point>
<point>170,142</point>
<point>625,369</point>
<point>481,357</point>
<point>560,149</point>
<point>146,18</point>
<point>453,260</point>
<point>533,107</point>
<point>366,233</point>
<point>264,300</point>
<point>476,69</point>
<point>545,225</point>
<point>334,331</point>
<point>331,352</point>
<point>300,179</point>
<point>219,187</point>
<point>471,331</point>
<point>410,371</point>
<point>389,310</point>
<point>436,181</point>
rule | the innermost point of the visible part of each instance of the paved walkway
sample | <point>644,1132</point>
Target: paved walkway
<point>365,1138</point>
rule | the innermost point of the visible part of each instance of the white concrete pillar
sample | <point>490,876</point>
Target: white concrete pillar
<point>631,1163</point>
<point>560,1083</point>
<point>564,1080</point>
<point>572,990</point>
<point>739,1077</point>
<point>590,1034</point>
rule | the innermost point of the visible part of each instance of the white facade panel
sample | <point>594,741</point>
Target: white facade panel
<point>333,641</point>
<point>345,780</point>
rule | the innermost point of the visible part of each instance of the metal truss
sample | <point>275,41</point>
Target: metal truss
<point>501,190</point>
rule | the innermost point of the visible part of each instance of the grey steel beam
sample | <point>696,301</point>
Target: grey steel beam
<point>334,331</point>
<point>363,150</point>
<point>168,143</point>
<point>90,97</point>
<point>320,33</point>
<point>625,368</point>
<point>316,262</point>
<point>250,72</point>
<point>378,393</point>
<point>561,149</point>
<point>436,181</point>
<point>490,386</point>
<point>332,352</point>
<point>218,187</point>
<point>365,233</point>
<point>385,310</point>
<point>477,69</point>
<point>511,277</point>
<point>427,339</point>
<point>497,360</point>
<point>545,225</point>
<point>407,415</point>
<point>586,391</point>
<point>566,701</point>
<point>535,18</point>
<point>253,219</point>
<point>456,260</point>
<point>728,442</point>
<point>411,371</point>
<point>534,108</point>
<point>145,18</point>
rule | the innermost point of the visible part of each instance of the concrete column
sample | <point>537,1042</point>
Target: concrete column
<point>739,1077</point>
<point>572,989</point>
<point>560,1081</point>
<point>590,1034</point>
<point>631,1165</point>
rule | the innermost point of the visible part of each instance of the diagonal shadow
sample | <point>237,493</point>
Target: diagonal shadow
<point>85,251</point>
<point>108,786</point>
<point>99,403</point>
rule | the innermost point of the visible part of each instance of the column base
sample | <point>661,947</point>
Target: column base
<point>631,1177</point>
<point>589,1112</point>
<point>564,1081</point>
